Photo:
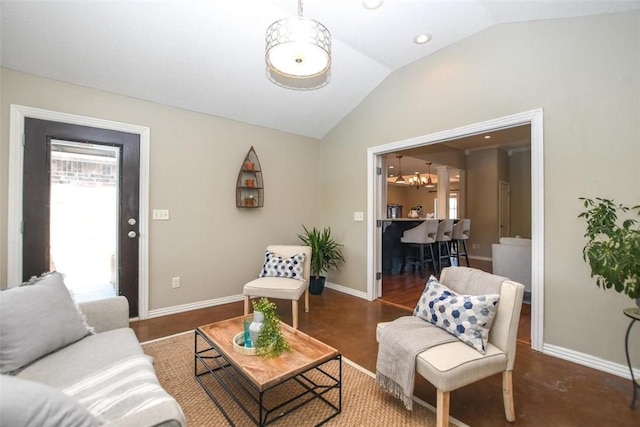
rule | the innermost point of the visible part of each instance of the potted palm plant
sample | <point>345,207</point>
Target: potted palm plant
<point>613,248</point>
<point>326,254</point>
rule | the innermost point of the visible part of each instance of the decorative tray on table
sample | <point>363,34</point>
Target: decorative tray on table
<point>238,345</point>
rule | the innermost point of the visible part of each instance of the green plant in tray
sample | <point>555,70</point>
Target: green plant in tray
<point>271,342</point>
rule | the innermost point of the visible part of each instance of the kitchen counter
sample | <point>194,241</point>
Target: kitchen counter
<point>396,259</point>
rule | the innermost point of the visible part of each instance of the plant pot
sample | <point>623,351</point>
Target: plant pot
<point>250,183</point>
<point>316,285</point>
<point>248,202</point>
<point>248,166</point>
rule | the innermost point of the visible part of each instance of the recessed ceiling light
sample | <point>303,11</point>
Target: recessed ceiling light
<point>422,38</point>
<point>372,4</point>
<point>487,137</point>
<point>390,167</point>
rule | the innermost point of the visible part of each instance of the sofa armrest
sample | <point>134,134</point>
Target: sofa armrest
<point>106,314</point>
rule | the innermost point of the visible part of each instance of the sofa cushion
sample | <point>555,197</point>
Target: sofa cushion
<point>29,403</point>
<point>84,357</point>
<point>468,317</point>
<point>37,319</point>
<point>286,267</point>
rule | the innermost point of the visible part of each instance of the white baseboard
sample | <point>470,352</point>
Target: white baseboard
<point>234,298</point>
<point>346,290</point>
<point>590,361</point>
<point>481,258</point>
<point>194,306</point>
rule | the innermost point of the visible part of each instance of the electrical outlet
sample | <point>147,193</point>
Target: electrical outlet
<point>475,246</point>
<point>358,216</point>
<point>175,282</point>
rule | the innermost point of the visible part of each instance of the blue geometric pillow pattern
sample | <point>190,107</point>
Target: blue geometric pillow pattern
<point>468,317</point>
<point>276,266</point>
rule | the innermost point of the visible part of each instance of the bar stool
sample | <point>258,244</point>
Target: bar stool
<point>443,238</point>
<point>460,235</point>
<point>419,237</point>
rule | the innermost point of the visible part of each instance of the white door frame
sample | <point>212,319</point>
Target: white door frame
<point>16,156</point>
<point>535,119</point>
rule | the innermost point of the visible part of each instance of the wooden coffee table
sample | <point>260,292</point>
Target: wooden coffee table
<point>267,389</point>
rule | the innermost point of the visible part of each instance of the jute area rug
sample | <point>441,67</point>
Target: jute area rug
<point>363,402</point>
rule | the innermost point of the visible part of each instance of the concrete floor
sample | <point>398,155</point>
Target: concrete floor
<point>548,391</point>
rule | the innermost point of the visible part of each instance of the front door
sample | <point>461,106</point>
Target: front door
<point>80,208</point>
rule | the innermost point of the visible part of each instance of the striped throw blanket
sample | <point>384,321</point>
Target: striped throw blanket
<point>124,388</point>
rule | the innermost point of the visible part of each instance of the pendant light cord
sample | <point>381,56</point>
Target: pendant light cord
<point>299,8</point>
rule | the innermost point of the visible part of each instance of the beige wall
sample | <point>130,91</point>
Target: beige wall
<point>214,247</point>
<point>585,74</point>
<point>410,196</point>
<point>520,180</point>
<point>482,200</point>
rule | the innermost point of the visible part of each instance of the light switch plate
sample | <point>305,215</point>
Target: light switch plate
<point>161,214</point>
<point>358,216</point>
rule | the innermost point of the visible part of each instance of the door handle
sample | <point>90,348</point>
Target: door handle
<point>132,234</point>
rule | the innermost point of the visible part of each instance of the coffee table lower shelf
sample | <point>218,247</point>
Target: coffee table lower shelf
<point>219,376</point>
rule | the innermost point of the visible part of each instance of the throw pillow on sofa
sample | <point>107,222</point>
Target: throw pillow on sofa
<point>36,320</point>
<point>468,317</point>
<point>28,403</point>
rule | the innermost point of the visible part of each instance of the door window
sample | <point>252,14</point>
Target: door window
<point>84,216</point>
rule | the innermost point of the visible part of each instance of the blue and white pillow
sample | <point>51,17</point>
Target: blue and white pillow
<point>468,317</point>
<point>277,266</point>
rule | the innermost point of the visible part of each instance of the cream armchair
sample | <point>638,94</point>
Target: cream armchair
<point>455,364</point>
<point>281,287</point>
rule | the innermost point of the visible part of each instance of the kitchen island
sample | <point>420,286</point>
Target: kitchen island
<point>395,259</point>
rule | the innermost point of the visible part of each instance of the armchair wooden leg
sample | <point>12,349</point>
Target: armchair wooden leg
<point>294,312</point>
<point>442,408</point>
<point>247,303</point>
<point>507,396</point>
<point>306,300</point>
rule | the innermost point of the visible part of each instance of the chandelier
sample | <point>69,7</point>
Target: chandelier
<point>400,178</point>
<point>420,181</point>
<point>429,184</point>
<point>298,52</point>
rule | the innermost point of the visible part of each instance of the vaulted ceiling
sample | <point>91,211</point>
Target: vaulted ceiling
<point>208,56</point>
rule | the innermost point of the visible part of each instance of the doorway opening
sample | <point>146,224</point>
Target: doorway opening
<point>84,185</point>
<point>377,199</point>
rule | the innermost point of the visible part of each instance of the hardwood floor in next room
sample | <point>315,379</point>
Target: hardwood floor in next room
<point>404,290</point>
<point>547,391</point>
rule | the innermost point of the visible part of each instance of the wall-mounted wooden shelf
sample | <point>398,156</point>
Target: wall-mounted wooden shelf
<point>250,186</point>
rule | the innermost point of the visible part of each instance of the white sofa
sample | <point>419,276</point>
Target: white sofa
<point>511,258</point>
<point>64,365</point>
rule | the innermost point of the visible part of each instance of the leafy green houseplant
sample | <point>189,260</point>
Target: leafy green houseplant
<point>326,254</point>
<point>270,342</point>
<point>613,248</point>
